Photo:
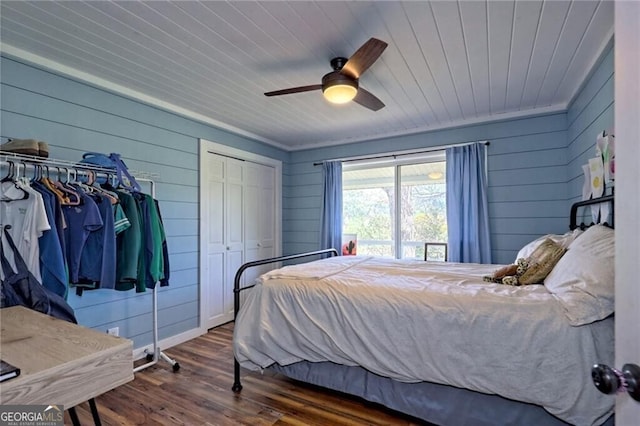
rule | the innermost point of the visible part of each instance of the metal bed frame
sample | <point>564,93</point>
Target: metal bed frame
<point>502,404</point>
<point>237,386</point>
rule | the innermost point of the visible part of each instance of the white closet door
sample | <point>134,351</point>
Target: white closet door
<point>267,207</point>
<point>214,225</point>
<point>251,222</point>
<point>234,206</point>
<point>240,214</point>
<point>259,217</point>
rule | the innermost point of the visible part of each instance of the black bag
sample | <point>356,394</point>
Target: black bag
<point>22,288</point>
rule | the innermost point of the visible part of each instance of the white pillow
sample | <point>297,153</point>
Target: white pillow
<point>563,240</point>
<point>583,280</point>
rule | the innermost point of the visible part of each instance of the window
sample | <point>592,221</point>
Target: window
<point>394,207</point>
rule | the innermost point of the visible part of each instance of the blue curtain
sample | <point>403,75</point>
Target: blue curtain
<point>467,207</point>
<point>331,218</point>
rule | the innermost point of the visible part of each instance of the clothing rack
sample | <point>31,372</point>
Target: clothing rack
<point>154,355</point>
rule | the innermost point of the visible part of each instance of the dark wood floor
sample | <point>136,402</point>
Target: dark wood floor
<point>200,394</point>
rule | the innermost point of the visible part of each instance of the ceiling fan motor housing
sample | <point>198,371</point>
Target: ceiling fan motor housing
<point>335,78</point>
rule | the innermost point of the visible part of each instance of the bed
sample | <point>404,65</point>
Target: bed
<point>434,339</point>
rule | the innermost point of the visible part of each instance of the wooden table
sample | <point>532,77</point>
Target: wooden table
<point>60,362</point>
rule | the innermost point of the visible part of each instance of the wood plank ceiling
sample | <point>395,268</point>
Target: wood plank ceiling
<point>448,62</point>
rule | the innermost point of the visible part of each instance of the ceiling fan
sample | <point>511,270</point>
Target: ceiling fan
<point>341,85</point>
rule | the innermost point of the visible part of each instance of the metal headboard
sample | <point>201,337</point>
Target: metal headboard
<point>574,211</point>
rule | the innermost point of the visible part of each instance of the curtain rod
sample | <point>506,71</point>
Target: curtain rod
<point>432,149</point>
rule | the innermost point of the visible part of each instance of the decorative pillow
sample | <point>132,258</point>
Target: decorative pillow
<point>584,278</point>
<point>541,262</point>
<point>564,240</point>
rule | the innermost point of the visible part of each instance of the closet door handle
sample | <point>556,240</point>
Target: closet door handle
<point>259,245</point>
<point>228,248</point>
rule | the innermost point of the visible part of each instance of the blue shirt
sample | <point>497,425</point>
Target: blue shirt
<point>98,258</point>
<point>52,264</point>
<point>81,221</point>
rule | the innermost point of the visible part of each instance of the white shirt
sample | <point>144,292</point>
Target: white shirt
<point>28,220</point>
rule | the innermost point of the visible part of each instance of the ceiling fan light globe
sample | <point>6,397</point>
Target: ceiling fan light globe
<point>338,88</point>
<point>340,93</point>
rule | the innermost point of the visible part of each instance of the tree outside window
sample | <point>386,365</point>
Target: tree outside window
<point>369,207</point>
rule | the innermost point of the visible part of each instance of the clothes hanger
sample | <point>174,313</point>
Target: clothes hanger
<point>38,171</point>
<point>85,186</point>
<point>23,180</point>
<point>91,183</point>
<point>111,183</point>
<point>66,196</point>
<point>11,177</point>
<point>75,184</point>
<point>73,198</point>
<point>49,183</point>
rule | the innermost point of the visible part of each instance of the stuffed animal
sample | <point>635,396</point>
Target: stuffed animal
<point>510,274</point>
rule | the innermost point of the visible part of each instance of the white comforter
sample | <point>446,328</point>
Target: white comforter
<point>424,321</point>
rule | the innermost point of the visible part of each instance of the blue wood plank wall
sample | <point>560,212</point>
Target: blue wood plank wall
<point>74,118</point>
<point>527,180</point>
<point>591,112</point>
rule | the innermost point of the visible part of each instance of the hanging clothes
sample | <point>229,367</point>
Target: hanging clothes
<point>23,209</point>
<point>53,266</point>
<point>82,219</point>
<point>86,237</point>
<point>58,215</point>
<point>128,244</point>
<point>98,258</point>
<point>120,220</point>
<point>20,287</point>
<point>166,272</point>
<point>151,263</point>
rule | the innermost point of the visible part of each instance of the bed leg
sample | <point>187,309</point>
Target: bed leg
<point>237,387</point>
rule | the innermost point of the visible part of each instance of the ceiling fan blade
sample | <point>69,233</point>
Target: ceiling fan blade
<point>294,90</point>
<point>368,100</point>
<point>364,57</point>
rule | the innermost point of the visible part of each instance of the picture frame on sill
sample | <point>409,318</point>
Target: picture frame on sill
<point>349,244</point>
